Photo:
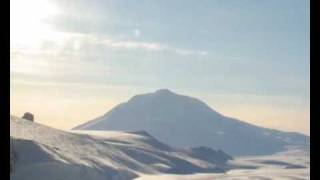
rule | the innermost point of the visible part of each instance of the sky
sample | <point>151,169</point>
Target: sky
<point>71,61</point>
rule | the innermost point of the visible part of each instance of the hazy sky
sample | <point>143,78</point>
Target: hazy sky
<point>73,60</point>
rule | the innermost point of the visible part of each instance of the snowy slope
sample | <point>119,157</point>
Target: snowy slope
<point>41,152</point>
<point>184,121</point>
<point>289,165</point>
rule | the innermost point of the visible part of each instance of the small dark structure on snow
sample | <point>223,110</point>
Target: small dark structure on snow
<point>28,116</point>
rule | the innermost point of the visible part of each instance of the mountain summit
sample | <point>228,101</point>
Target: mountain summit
<point>183,121</point>
<point>164,91</point>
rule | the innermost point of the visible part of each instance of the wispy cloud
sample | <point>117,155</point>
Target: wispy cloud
<point>151,46</point>
<point>133,45</point>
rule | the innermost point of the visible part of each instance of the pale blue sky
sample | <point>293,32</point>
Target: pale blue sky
<point>235,55</point>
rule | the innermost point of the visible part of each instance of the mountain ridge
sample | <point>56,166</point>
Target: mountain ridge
<point>184,121</point>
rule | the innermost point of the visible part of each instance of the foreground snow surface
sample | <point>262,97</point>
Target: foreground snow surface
<point>39,152</point>
<point>290,165</point>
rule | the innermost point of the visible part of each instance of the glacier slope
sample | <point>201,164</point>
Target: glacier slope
<point>41,152</point>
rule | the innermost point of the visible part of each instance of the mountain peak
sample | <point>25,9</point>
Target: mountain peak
<point>163,91</point>
<point>184,121</point>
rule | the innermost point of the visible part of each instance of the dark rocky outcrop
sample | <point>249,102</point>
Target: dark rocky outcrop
<point>28,116</point>
<point>209,154</point>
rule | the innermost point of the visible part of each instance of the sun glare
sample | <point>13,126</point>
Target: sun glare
<point>27,22</point>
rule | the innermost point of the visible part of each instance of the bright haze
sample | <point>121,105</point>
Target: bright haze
<point>72,61</point>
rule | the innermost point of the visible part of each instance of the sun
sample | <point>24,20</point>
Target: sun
<point>28,22</point>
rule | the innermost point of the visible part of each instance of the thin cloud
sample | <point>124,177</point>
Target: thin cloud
<point>150,46</point>
<point>133,45</point>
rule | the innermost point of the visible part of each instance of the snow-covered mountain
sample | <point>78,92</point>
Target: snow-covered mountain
<point>184,121</point>
<point>39,152</point>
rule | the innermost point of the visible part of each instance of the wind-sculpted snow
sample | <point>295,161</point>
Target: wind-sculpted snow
<point>39,152</point>
<point>289,165</point>
<point>183,121</point>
